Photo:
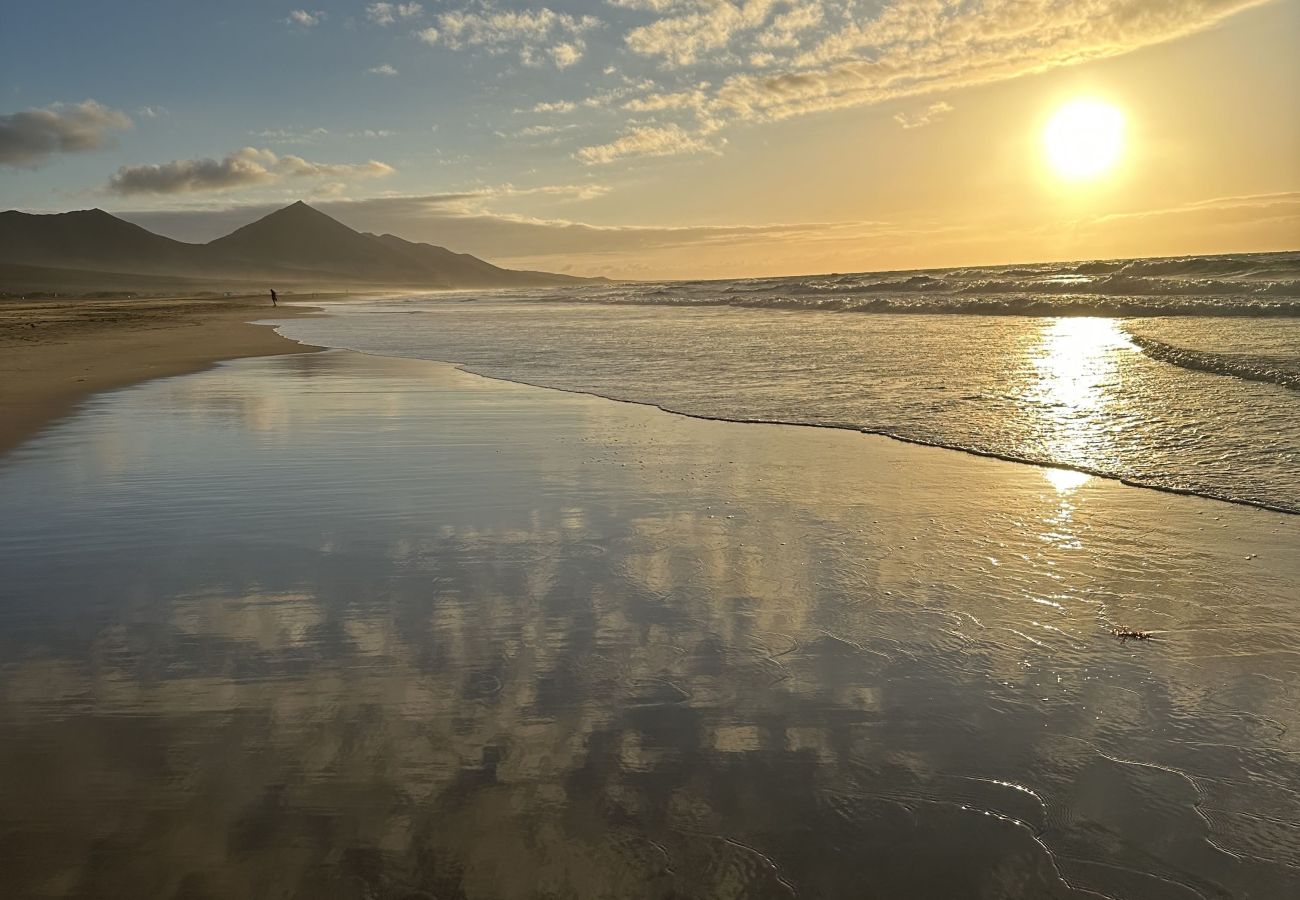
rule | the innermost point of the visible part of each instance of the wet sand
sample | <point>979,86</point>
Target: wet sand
<point>329,625</point>
<point>56,353</point>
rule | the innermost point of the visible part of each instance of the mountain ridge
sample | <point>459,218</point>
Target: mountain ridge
<point>297,244</point>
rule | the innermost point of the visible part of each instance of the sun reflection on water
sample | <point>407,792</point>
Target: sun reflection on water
<point>1076,361</point>
<point>1066,481</point>
<point>1059,529</point>
<point>1077,383</point>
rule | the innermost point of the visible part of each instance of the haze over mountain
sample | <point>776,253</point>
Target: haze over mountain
<point>294,245</point>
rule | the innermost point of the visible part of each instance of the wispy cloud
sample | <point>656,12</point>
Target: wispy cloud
<point>248,167</point>
<point>540,131</point>
<point>384,69</point>
<point>646,140</point>
<point>1248,209</point>
<point>29,138</point>
<point>388,13</point>
<point>694,29</point>
<point>533,35</point>
<point>305,19</point>
<point>921,118</point>
<point>291,135</point>
<point>555,106</point>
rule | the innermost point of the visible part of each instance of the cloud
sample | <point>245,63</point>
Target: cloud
<point>556,106</point>
<point>388,13</point>
<point>30,137</point>
<point>533,131</point>
<point>248,167</point>
<point>645,140</point>
<point>291,135</point>
<point>911,49</point>
<point>680,39</point>
<point>651,5</point>
<point>794,57</point>
<point>152,112</point>
<point>384,69</point>
<point>786,28</point>
<point>534,35</point>
<point>692,99</point>
<point>567,53</point>
<point>304,19</point>
<point>923,117</point>
<point>1248,209</point>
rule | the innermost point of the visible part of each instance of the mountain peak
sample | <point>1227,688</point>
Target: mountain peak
<point>296,222</point>
<point>88,214</point>
<point>300,237</point>
<point>298,210</point>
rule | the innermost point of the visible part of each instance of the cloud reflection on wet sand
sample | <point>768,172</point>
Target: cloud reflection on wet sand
<point>331,626</point>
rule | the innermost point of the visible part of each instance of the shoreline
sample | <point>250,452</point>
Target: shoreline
<point>55,354</point>
<point>871,432</point>
<point>1152,453</point>
<point>42,378</point>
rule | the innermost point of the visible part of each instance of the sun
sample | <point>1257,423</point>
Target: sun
<point>1084,139</point>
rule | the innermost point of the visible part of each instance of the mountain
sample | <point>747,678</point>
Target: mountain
<point>301,239</point>
<point>294,245</point>
<point>90,239</point>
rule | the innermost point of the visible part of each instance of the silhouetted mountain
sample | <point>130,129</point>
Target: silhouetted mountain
<point>470,270</point>
<point>91,239</point>
<point>302,239</point>
<point>297,244</point>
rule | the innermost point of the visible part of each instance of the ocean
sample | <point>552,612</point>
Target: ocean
<point>1179,374</point>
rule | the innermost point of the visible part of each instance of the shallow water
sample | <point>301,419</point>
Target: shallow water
<point>1206,405</point>
<point>336,626</point>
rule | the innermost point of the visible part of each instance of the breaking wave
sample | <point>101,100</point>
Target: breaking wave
<point>1238,366</point>
<point>1258,284</point>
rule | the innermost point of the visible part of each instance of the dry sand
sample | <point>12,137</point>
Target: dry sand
<point>55,353</point>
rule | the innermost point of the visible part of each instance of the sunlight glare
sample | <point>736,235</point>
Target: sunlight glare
<point>1075,361</point>
<point>1066,480</point>
<point>1076,384</point>
<point>1084,139</point>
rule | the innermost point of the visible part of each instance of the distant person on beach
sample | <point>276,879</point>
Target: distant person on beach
<point>273,303</point>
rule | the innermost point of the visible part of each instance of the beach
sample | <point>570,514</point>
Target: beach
<point>55,353</point>
<point>330,624</point>
<point>650,450</point>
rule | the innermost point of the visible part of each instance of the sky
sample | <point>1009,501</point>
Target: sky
<point>667,138</point>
